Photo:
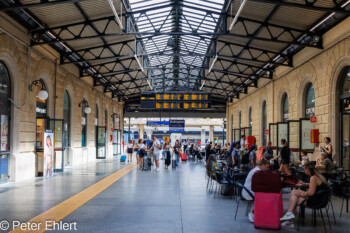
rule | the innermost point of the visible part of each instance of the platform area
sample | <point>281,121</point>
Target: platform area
<point>169,201</point>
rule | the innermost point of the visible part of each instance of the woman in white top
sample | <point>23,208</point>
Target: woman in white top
<point>130,150</point>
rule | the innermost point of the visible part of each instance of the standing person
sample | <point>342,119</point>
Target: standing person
<point>177,149</point>
<point>166,149</point>
<point>185,145</point>
<point>207,151</point>
<point>268,154</point>
<point>327,148</point>
<point>234,158</point>
<point>285,154</point>
<point>142,153</point>
<point>137,150</point>
<point>130,151</point>
<point>156,150</point>
<point>243,146</point>
<point>151,149</point>
<point>252,156</point>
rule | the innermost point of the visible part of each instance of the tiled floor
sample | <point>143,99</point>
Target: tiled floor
<point>141,202</point>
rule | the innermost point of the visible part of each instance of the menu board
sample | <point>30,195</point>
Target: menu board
<point>294,128</point>
<point>282,132</point>
<point>306,127</point>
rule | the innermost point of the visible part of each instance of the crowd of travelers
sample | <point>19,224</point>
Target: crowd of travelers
<point>239,157</point>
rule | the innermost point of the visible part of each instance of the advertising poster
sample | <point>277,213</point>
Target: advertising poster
<point>4,133</point>
<point>282,132</point>
<point>48,154</point>
<point>306,127</point>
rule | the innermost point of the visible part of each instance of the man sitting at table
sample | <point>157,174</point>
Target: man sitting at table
<point>263,164</point>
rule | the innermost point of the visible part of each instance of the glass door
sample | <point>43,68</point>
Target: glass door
<point>282,133</point>
<point>41,126</point>
<point>115,142</point>
<point>57,127</point>
<point>345,145</point>
<point>101,142</point>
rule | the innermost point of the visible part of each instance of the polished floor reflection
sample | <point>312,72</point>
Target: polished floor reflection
<point>140,202</point>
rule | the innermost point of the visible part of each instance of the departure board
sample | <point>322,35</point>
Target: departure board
<point>175,101</point>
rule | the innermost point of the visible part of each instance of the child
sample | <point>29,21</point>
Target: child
<point>304,158</point>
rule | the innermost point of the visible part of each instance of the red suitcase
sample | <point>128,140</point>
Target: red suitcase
<point>184,157</point>
<point>268,209</point>
<point>266,182</point>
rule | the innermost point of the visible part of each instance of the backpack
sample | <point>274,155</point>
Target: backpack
<point>245,158</point>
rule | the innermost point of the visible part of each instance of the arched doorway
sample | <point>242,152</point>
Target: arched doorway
<point>285,108</point>
<point>344,96</point>
<point>5,113</point>
<point>309,101</point>
<point>66,127</point>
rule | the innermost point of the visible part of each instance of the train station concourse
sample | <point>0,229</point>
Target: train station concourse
<point>179,116</point>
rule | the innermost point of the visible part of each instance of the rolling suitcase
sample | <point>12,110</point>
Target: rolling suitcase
<point>184,157</point>
<point>122,158</point>
<point>268,209</point>
<point>146,163</point>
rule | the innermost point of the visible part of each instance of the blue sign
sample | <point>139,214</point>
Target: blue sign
<point>177,126</point>
<point>157,123</point>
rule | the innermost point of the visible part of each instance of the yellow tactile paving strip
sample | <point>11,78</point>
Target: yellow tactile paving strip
<point>60,211</point>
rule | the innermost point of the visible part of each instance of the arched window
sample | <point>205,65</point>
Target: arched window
<point>250,117</point>
<point>344,96</point>
<point>310,101</point>
<point>66,126</point>
<point>264,122</point>
<point>5,114</point>
<point>285,108</point>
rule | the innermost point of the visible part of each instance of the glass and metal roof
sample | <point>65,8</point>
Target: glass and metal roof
<point>130,46</point>
<point>183,32</point>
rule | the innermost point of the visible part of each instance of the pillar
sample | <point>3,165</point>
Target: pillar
<point>211,133</point>
<point>141,131</point>
<point>149,131</point>
<point>203,136</point>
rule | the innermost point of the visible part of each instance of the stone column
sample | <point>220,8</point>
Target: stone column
<point>203,136</point>
<point>141,131</point>
<point>211,133</point>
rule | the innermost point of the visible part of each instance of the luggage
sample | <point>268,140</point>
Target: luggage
<point>173,164</point>
<point>184,157</point>
<point>260,153</point>
<point>122,158</point>
<point>266,182</point>
<point>147,163</point>
<point>268,209</point>
<point>227,189</point>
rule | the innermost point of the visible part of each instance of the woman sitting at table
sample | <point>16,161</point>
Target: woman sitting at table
<point>325,164</point>
<point>317,182</point>
<point>212,166</point>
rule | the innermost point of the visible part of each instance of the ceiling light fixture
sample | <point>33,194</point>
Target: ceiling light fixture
<point>115,13</point>
<point>212,64</point>
<point>237,14</point>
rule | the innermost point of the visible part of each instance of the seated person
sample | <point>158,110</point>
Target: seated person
<point>268,154</point>
<point>304,158</point>
<point>317,182</point>
<point>324,163</point>
<point>212,166</point>
<point>263,164</point>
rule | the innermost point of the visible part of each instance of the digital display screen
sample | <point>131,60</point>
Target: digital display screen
<point>188,101</point>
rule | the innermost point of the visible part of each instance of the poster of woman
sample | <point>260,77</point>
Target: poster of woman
<point>48,154</point>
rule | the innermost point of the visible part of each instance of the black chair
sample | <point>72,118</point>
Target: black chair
<point>240,187</point>
<point>324,198</point>
<point>346,196</point>
<point>220,180</point>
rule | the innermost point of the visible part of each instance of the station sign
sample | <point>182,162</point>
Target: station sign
<point>177,126</point>
<point>158,123</point>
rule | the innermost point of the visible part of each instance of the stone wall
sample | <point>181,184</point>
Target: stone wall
<point>28,64</point>
<point>322,68</point>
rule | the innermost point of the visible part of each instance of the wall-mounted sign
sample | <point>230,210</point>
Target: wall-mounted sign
<point>177,126</point>
<point>267,131</point>
<point>313,119</point>
<point>48,153</point>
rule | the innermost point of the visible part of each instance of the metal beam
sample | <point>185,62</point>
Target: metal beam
<point>35,5</point>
